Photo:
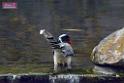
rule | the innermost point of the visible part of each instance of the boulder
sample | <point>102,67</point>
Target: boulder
<point>110,51</point>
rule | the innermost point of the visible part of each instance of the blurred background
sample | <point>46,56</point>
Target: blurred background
<point>86,21</point>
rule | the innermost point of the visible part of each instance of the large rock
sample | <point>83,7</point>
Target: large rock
<point>110,50</point>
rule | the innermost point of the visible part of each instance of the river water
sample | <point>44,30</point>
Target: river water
<point>70,78</point>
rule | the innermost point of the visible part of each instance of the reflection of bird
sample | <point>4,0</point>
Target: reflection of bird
<point>62,50</point>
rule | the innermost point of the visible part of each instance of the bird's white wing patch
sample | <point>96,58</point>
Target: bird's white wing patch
<point>42,31</point>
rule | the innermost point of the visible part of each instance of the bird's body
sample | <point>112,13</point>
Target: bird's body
<point>62,50</point>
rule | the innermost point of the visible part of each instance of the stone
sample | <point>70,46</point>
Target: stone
<point>110,51</point>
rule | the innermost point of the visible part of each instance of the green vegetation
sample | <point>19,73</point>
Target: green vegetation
<point>27,68</point>
<point>77,71</point>
<point>33,68</point>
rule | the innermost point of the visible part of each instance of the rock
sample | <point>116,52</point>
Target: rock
<point>104,70</point>
<point>110,51</point>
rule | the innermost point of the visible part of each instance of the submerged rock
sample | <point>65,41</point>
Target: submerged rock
<point>110,51</point>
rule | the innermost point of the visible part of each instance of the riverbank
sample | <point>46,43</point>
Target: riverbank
<point>40,68</point>
<point>32,73</point>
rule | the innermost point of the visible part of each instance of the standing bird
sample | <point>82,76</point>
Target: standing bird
<point>62,50</point>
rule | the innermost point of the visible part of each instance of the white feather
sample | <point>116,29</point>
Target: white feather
<point>42,31</point>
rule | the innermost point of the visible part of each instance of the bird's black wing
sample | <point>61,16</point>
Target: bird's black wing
<point>49,37</point>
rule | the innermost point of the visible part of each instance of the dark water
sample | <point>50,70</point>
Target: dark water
<point>86,21</point>
<point>60,79</point>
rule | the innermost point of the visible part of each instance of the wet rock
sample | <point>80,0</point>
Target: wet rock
<point>110,51</point>
<point>104,70</point>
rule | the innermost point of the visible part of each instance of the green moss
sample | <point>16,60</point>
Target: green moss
<point>28,68</point>
<point>121,74</point>
<point>34,68</point>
